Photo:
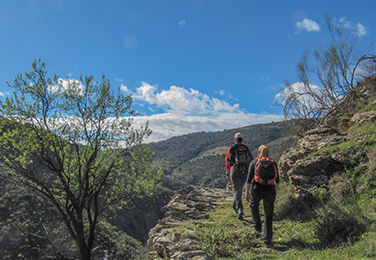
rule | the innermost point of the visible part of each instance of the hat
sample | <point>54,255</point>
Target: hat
<point>237,135</point>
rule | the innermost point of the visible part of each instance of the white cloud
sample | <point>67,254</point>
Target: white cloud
<point>182,100</point>
<point>118,80</point>
<point>303,99</point>
<point>358,28</point>
<point>182,23</point>
<point>361,29</point>
<point>309,25</point>
<point>171,124</point>
<point>124,88</point>
<point>70,85</point>
<point>189,111</point>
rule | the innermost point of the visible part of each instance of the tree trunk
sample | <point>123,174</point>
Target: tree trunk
<point>85,253</point>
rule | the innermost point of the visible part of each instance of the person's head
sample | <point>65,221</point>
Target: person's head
<point>238,138</point>
<point>263,151</point>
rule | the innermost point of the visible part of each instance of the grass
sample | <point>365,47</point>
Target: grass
<point>343,229</point>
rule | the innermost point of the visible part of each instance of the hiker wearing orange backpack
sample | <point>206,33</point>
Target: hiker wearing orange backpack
<point>263,181</point>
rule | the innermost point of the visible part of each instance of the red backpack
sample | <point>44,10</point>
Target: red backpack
<point>265,171</point>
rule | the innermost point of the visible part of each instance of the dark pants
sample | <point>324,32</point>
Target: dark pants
<point>238,179</point>
<point>267,194</point>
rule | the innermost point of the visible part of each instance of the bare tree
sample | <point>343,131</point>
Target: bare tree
<point>325,85</point>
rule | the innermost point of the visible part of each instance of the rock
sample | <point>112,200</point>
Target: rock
<point>163,241</point>
<point>187,245</point>
<point>188,203</point>
<point>176,237</point>
<point>197,215</point>
<point>362,118</point>
<point>189,234</point>
<point>159,249</point>
<point>197,255</point>
<point>307,169</point>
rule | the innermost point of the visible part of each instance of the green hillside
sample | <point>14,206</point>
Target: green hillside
<point>198,158</point>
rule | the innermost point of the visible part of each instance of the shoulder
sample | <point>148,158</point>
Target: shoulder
<point>233,148</point>
<point>254,161</point>
<point>245,146</point>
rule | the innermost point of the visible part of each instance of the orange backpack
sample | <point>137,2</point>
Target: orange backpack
<point>265,171</point>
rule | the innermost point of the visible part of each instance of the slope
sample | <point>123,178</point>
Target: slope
<point>198,158</point>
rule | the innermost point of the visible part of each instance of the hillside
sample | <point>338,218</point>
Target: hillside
<point>325,207</point>
<point>198,158</point>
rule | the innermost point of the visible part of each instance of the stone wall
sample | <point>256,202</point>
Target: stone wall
<point>188,203</point>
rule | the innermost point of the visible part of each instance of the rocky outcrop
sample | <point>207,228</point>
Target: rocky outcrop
<point>188,203</point>
<point>307,167</point>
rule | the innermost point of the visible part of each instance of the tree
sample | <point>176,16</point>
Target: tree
<point>72,141</point>
<point>336,72</point>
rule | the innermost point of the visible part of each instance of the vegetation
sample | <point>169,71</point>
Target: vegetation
<point>312,230</point>
<point>71,143</point>
<point>325,91</point>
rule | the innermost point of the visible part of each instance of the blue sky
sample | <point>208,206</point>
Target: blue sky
<point>192,65</point>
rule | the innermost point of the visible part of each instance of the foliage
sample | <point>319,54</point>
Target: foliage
<point>73,143</point>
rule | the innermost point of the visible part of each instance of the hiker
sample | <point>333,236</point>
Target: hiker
<point>263,179</point>
<point>238,158</point>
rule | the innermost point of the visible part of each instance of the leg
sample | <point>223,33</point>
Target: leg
<point>243,179</point>
<point>255,205</point>
<point>237,191</point>
<point>269,199</point>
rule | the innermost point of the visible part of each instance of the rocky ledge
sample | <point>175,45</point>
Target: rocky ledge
<point>188,203</point>
<point>307,168</point>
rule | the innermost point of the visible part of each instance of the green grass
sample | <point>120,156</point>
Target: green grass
<point>223,236</point>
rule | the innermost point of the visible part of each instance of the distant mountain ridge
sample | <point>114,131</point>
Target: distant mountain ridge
<point>199,158</point>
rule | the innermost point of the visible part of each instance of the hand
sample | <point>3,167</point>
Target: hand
<point>228,177</point>
<point>247,197</point>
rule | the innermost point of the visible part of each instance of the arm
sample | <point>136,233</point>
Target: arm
<point>277,179</point>
<point>228,167</point>
<point>247,195</point>
<point>249,181</point>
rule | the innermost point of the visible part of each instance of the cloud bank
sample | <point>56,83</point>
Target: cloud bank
<point>188,111</point>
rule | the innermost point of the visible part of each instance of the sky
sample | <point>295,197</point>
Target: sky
<point>190,65</point>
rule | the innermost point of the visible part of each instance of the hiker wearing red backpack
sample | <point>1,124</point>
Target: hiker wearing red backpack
<point>238,158</point>
<point>263,181</point>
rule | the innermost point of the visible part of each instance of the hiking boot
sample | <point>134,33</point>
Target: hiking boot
<point>257,233</point>
<point>268,244</point>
